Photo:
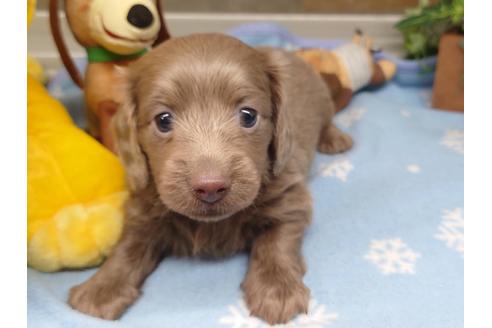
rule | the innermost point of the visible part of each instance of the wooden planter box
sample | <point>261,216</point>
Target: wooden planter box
<point>448,91</point>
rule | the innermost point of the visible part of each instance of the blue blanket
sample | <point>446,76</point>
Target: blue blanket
<point>385,248</point>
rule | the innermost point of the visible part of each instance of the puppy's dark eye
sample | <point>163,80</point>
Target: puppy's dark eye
<point>248,117</point>
<point>164,122</point>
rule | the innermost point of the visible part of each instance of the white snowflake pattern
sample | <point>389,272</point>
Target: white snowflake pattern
<point>392,256</point>
<point>339,169</point>
<point>405,113</point>
<point>348,117</point>
<point>452,229</point>
<point>317,317</point>
<point>413,168</point>
<point>454,140</point>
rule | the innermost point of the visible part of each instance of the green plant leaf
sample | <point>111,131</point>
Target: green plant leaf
<point>416,44</point>
<point>424,25</point>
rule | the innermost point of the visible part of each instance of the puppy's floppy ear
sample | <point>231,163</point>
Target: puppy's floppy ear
<point>125,135</point>
<point>281,146</point>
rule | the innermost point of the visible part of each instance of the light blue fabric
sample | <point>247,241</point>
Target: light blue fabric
<point>385,248</point>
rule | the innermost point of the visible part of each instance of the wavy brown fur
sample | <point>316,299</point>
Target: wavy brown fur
<point>202,79</point>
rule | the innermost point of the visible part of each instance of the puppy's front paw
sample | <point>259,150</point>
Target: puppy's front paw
<point>106,301</point>
<point>276,303</point>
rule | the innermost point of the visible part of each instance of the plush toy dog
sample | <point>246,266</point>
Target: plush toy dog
<point>349,68</point>
<point>114,32</point>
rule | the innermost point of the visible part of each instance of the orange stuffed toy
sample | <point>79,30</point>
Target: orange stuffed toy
<point>114,32</point>
<point>349,68</point>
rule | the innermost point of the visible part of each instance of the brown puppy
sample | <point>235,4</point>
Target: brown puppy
<point>217,139</point>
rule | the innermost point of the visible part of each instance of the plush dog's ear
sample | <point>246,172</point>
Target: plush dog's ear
<point>61,46</point>
<point>281,146</point>
<point>163,32</point>
<point>125,136</point>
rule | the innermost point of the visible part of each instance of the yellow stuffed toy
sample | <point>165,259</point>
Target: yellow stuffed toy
<point>75,189</point>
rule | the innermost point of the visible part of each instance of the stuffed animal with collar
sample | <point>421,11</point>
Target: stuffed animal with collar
<point>114,33</point>
<point>349,68</point>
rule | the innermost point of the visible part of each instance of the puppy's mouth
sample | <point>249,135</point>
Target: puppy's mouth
<point>210,218</point>
<point>210,213</point>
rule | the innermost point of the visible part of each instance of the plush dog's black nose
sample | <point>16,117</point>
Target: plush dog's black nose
<point>140,16</point>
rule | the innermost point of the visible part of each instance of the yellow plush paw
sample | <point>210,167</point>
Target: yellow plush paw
<point>77,236</point>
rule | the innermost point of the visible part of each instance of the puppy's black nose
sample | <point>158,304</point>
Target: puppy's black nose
<point>210,190</point>
<point>140,16</point>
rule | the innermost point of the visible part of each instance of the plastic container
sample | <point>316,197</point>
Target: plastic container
<point>413,72</point>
